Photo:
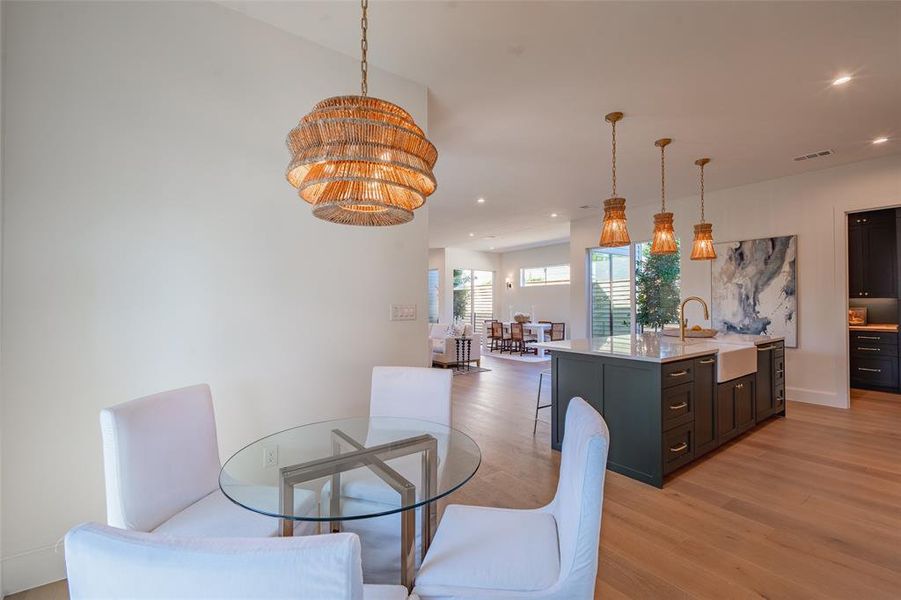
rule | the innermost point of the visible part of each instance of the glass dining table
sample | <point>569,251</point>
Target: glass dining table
<point>394,464</point>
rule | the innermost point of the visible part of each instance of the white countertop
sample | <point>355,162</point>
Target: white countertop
<point>652,347</point>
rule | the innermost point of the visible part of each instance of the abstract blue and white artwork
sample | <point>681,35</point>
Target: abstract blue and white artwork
<point>755,287</point>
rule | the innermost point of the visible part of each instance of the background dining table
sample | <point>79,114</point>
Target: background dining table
<point>542,331</point>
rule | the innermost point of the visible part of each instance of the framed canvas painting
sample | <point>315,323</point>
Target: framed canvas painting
<point>755,287</point>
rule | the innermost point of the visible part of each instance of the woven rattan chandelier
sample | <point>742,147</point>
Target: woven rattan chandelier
<point>702,248</point>
<point>664,240</point>
<point>360,160</point>
<point>613,231</point>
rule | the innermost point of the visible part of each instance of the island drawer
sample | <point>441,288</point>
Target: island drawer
<point>678,447</point>
<point>678,405</point>
<point>871,338</point>
<point>873,349</point>
<point>677,373</point>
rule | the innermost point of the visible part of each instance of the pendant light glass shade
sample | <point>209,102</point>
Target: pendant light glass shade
<point>664,239</point>
<point>613,230</point>
<point>702,247</point>
<point>360,160</point>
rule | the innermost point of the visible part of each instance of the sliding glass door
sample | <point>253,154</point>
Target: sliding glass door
<point>474,297</point>
<point>610,291</point>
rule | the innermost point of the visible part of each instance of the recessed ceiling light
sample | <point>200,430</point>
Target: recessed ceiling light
<point>880,140</point>
<point>841,80</point>
<point>481,201</point>
<point>554,215</point>
<point>472,235</point>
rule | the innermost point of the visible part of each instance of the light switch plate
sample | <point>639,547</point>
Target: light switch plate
<point>402,312</point>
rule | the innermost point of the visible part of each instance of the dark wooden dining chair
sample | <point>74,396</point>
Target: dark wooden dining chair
<point>518,340</point>
<point>499,340</point>
<point>558,331</point>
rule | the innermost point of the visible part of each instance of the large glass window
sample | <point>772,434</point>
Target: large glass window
<point>474,297</point>
<point>433,295</point>
<point>657,283</point>
<point>625,299</point>
<point>610,289</point>
<point>551,275</point>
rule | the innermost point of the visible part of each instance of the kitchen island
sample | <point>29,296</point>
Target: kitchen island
<point>666,401</point>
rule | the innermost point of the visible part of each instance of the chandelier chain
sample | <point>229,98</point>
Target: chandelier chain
<point>662,179</point>
<point>614,159</point>
<point>702,193</point>
<point>364,48</point>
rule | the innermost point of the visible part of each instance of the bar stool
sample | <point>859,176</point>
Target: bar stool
<point>538,404</point>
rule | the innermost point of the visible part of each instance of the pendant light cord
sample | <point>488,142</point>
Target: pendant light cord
<point>614,160</point>
<point>702,193</point>
<point>662,179</point>
<point>364,48</point>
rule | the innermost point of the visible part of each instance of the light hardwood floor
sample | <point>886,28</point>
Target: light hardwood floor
<point>804,507</point>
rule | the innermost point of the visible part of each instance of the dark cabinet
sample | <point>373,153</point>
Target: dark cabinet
<point>874,360</point>
<point>704,405</point>
<point>735,407</point>
<point>769,390</point>
<point>872,255</point>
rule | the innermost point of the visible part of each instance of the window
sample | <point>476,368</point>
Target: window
<point>433,295</point>
<point>625,298</point>
<point>474,297</point>
<point>551,275</point>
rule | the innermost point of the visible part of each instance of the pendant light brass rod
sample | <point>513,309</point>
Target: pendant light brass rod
<point>662,143</point>
<point>701,162</point>
<point>612,118</point>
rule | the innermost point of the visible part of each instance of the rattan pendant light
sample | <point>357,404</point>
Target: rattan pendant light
<point>360,160</point>
<point>664,240</point>
<point>702,248</point>
<point>614,232</point>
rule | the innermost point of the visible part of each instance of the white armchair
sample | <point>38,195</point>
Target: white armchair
<point>105,562</point>
<point>161,464</point>
<point>547,553</point>
<point>444,348</point>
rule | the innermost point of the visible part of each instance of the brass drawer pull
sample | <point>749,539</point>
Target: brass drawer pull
<point>679,448</point>
<point>678,373</point>
<point>708,361</point>
<point>739,386</point>
<point>765,348</point>
<point>868,337</point>
<point>869,349</point>
<point>870,370</point>
<point>780,371</point>
<point>678,406</point>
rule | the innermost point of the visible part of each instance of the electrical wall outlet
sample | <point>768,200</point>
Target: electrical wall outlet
<point>402,312</point>
<point>270,456</point>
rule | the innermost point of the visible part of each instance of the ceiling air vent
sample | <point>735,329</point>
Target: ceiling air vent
<point>819,154</point>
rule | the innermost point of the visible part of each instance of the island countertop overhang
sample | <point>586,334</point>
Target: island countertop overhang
<point>654,348</point>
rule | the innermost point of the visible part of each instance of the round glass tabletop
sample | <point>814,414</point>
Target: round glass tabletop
<point>382,465</point>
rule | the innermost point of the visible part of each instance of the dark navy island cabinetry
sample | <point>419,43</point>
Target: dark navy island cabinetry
<point>665,411</point>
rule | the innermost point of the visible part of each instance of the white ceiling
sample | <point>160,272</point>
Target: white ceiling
<point>518,93</point>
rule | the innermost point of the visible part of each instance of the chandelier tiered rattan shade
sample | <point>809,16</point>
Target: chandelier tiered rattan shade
<point>702,248</point>
<point>360,160</point>
<point>664,240</point>
<point>614,232</point>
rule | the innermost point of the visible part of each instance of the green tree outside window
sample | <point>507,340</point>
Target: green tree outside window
<point>657,289</point>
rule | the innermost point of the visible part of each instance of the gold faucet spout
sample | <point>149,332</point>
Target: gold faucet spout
<point>683,322</point>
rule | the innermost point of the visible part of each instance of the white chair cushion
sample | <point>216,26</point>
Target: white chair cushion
<point>385,592</point>
<point>411,392</point>
<point>217,516</point>
<point>105,562</point>
<point>491,548</point>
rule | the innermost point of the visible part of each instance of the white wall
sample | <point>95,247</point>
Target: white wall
<point>812,206</point>
<point>151,241</point>
<point>550,302</point>
<point>2,10</point>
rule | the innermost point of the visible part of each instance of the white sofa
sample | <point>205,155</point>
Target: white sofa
<point>444,348</point>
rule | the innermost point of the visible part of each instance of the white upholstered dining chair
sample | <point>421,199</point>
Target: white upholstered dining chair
<point>106,562</point>
<point>161,464</point>
<point>412,393</point>
<point>549,552</point>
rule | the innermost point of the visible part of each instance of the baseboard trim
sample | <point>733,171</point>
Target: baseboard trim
<point>815,397</point>
<point>33,568</point>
